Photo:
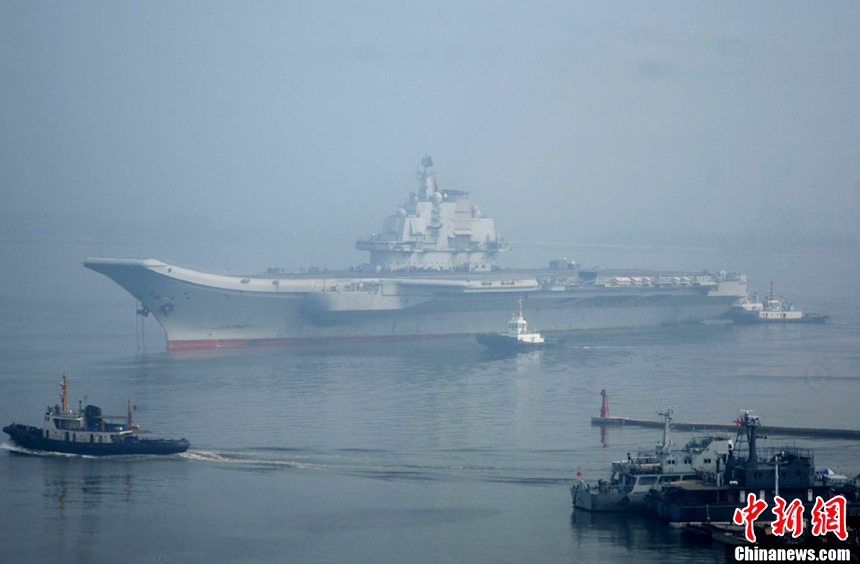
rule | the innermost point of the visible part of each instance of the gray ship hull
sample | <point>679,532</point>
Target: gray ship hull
<point>584,499</point>
<point>201,310</point>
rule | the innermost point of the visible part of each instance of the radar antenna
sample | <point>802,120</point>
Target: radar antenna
<point>424,189</point>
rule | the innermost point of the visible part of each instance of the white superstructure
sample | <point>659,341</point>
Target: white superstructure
<point>434,230</point>
<point>518,329</point>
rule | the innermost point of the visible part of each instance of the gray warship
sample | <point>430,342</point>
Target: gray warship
<point>432,273</point>
<point>633,479</point>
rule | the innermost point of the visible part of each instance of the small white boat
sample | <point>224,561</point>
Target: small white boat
<point>518,338</point>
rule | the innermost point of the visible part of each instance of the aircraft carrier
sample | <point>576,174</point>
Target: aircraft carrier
<point>432,273</point>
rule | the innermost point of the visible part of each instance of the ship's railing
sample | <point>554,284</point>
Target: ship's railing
<point>786,453</point>
<point>698,444</point>
<point>377,243</point>
<point>642,464</point>
<point>644,469</point>
<point>653,281</point>
<point>604,487</point>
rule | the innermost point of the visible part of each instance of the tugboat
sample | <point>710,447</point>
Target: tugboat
<point>517,339</point>
<point>749,311</point>
<point>632,479</point>
<point>87,433</point>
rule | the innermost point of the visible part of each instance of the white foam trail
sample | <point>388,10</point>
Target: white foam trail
<point>12,447</point>
<point>206,456</point>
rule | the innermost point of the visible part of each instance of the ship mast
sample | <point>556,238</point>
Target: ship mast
<point>666,447</point>
<point>65,393</point>
<point>424,192</point>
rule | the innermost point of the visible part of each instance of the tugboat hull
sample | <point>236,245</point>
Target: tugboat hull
<point>31,438</point>
<point>743,317</point>
<point>503,343</point>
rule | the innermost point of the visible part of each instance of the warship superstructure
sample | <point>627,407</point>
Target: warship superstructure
<point>432,273</point>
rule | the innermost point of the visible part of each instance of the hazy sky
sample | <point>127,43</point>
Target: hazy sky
<point>304,121</point>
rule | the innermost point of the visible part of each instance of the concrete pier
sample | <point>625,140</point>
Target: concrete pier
<point>847,434</point>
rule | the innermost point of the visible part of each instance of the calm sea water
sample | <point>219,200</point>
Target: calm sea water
<point>406,452</point>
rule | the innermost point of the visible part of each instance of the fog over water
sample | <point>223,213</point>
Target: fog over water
<point>235,136</point>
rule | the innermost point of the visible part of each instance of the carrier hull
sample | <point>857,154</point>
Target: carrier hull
<point>201,310</point>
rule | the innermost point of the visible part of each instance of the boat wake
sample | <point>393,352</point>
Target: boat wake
<point>18,449</point>
<point>204,455</point>
<point>377,469</point>
<point>353,467</point>
<point>208,456</point>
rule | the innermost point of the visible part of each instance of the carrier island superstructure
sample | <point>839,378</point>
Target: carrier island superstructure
<point>432,273</point>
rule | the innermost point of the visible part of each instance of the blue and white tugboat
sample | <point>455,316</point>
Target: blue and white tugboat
<point>517,339</point>
<point>88,433</point>
<point>773,310</point>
